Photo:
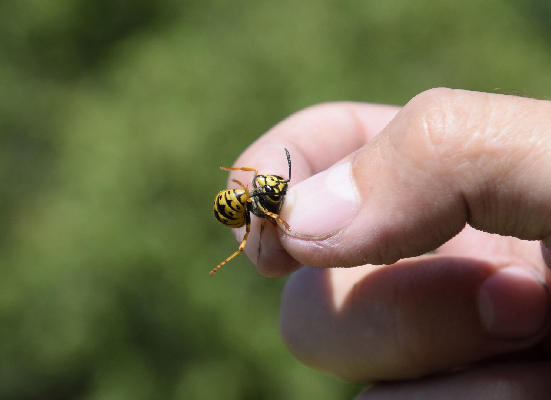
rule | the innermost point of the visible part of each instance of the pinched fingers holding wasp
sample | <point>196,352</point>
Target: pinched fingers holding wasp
<point>233,207</point>
<point>464,175</point>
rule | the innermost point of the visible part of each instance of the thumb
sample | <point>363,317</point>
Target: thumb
<point>447,159</point>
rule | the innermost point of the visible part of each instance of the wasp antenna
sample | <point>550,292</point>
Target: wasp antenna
<point>288,162</point>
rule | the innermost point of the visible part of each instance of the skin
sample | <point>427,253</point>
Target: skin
<point>464,175</point>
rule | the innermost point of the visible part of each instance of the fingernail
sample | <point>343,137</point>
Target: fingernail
<point>322,204</point>
<point>513,303</point>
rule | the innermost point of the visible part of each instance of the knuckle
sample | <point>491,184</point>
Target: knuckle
<point>435,118</point>
<point>441,125</point>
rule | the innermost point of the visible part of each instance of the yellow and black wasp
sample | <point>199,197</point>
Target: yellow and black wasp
<point>233,207</point>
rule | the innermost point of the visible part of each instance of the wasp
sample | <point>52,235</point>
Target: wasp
<point>233,207</point>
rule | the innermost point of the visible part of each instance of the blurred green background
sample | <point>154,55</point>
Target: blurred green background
<point>115,116</point>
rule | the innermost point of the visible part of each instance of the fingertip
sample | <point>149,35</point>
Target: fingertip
<point>513,303</point>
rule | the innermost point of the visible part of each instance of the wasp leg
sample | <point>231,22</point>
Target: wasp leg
<point>276,217</point>
<point>241,246</point>
<point>260,241</point>
<point>240,169</point>
<point>243,186</point>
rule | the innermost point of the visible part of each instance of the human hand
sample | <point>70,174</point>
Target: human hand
<point>478,306</point>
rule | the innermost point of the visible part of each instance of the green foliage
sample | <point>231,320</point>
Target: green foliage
<point>115,117</point>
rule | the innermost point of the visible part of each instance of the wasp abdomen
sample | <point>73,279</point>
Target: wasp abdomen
<point>229,207</point>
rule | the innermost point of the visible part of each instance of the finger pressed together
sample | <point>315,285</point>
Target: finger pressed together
<point>373,185</point>
<point>448,158</point>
